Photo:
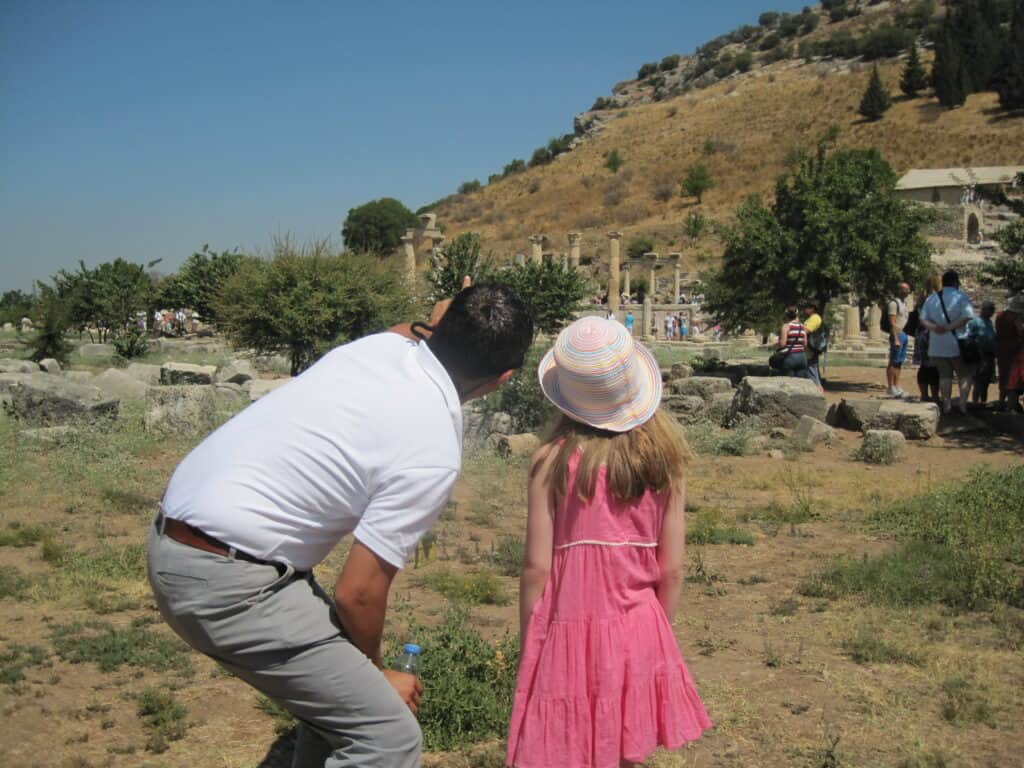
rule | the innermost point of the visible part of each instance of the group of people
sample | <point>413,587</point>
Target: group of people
<point>951,342</point>
<point>368,441</point>
<point>803,338</point>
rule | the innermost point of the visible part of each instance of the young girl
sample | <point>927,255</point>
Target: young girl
<point>601,681</point>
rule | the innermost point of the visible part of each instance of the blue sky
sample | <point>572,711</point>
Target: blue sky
<point>145,129</point>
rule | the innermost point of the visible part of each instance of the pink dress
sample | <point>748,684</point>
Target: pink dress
<point>600,675</point>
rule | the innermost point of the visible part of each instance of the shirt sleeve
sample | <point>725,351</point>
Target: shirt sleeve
<point>402,509</point>
<point>892,308</point>
<point>813,323</point>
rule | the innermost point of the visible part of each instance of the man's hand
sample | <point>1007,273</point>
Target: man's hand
<point>896,341</point>
<point>408,686</point>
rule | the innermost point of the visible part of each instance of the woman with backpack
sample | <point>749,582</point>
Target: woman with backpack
<point>793,345</point>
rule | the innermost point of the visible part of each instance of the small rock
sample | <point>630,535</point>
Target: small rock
<point>147,373</point>
<point>49,365</point>
<point>235,372</point>
<point>172,374</point>
<point>47,435</point>
<point>688,409</point>
<point>119,384</point>
<point>704,387</point>
<point>810,432</point>
<point>680,371</point>
<point>775,453</point>
<point>13,365</point>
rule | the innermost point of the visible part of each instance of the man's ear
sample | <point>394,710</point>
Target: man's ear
<point>490,385</point>
<point>504,378</point>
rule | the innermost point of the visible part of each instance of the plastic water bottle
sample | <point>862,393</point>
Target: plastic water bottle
<point>409,660</point>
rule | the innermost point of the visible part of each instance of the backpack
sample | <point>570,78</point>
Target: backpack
<point>818,340</point>
<point>913,321</point>
<point>884,323</point>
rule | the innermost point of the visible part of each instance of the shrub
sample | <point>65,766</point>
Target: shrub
<point>469,187</point>
<point>768,18</point>
<point>743,61</point>
<point>163,716</point>
<point>470,683</point>
<point>12,583</point>
<point>522,398</point>
<point>133,343</point>
<point>646,70</point>
<point>516,166</point>
<point>110,649</point>
<point>885,42</point>
<point>698,180</point>
<point>52,321</point>
<point>705,527</point>
<point>16,658</point>
<point>449,266</point>
<point>865,646</point>
<point>694,225</point>
<point>613,161</point>
<point>508,555</point>
<point>663,190</point>
<point>669,63</point>
<point>769,41</point>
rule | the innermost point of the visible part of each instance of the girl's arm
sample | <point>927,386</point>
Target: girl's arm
<point>672,552</point>
<point>539,534</point>
<point>783,336</point>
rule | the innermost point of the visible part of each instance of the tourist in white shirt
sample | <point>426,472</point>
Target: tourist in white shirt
<point>945,314</point>
<point>368,441</point>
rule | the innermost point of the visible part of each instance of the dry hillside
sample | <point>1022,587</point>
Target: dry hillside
<point>752,120</point>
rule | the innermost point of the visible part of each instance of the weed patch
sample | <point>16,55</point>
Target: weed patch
<point>508,555</point>
<point>705,527</point>
<point>17,535</point>
<point>865,646</point>
<point>16,658</point>
<point>111,648</point>
<point>284,721</point>
<point>482,587</point>
<point>709,440</point>
<point>13,584</point>
<point>961,545</point>
<point>965,703</point>
<point>164,718</point>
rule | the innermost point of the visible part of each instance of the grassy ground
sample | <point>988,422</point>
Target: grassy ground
<point>822,619</point>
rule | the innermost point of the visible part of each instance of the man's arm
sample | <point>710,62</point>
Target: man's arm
<point>893,308</point>
<point>361,598</point>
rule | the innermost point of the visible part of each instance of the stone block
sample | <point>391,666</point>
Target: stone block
<point>191,408</point>
<point>235,372</point>
<point>680,371</point>
<point>688,409</point>
<point>916,421</point>
<point>810,432</point>
<point>704,387</point>
<point>257,388</point>
<point>147,373</point>
<point>776,401</point>
<point>96,351</point>
<point>118,383</point>
<point>172,374</point>
<point>79,377</point>
<point>718,409</point>
<point>13,365</point>
<point>49,365</point>
<point>40,397</point>
<point>858,415</point>
<point>47,435</point>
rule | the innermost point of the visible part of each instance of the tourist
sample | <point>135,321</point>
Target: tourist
<point>629,321</point>
<point>1009,327</point>
<point>927,373</point>
<point>944,314</point>
<point>896,313</point>
<point>670,327</point>
<point>368,441</point>
<point>601,681</point>
<point>793,345</point>
<point>683,328</point>
<point>817,338</point>
<point>982,334</point>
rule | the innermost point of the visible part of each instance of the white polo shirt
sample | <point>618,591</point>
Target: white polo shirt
<point>367,441</point>
<point>958,306</point>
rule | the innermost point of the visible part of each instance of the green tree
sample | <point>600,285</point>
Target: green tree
<point>836,226</point>
<point>304,301</point>
<point>698,180</point>
<point>1010,81</point>
<point>106,298</point>
<point>613,161</point>
<point>638,246</point>
<point>199,281</point>
<point>469,187</point>
<point>694,226</point>
<point>875,101</point>
<point>453,263</point>
<point>14,305</point>
<point>553,294</point>
<point>914,79</point>
<point>1007,269</point>
<point>52,322</point>
<point>377,226</point>
<point>950,77</point>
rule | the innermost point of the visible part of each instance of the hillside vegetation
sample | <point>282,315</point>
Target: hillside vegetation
<point>742,127</point>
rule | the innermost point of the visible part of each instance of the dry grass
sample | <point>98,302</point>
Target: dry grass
<point>759,118</point>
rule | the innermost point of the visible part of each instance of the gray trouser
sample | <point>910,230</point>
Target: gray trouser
<point>279,633</point>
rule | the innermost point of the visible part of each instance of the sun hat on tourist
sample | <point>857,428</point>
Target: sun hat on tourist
<point>598,375</point>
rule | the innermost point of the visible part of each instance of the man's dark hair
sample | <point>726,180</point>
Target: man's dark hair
<point>485,332</point>
<point>810,304</point>
<point>950,279</point>
<point>790,313</point>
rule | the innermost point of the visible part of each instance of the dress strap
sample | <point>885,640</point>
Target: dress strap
<point>600,543</point>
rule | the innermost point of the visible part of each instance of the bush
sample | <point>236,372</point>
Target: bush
<point>638,246</point>
<point>449,266</point>
<point>52,321</point>
<point>769,41</point>
<point>480,588</point>
<point>522,398</point>
<point>885,42</point>
<point>669,63</point>
<point>613,161</point>
<point>470,682</point>
<point>163,716</point>
<point>508,555</point>
<point>743,61</point>
<point>469,187</point>
<point>705,527</point>
<point>131,344</point>
<point>698,180</point>
<point>768,18</point>
<point>516,166</point>
<point>646,70</point>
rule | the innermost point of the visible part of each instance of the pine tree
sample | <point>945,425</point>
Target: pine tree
<point>876,98</point>
<point>914,78</point>
<point>949,73</point>
<point>1010,81</point>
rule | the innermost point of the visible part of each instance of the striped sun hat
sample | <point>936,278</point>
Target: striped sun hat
<point>596,374</point>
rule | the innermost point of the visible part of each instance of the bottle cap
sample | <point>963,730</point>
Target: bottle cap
<point>411,648</point>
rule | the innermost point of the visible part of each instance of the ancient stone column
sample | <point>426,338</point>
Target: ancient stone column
<point>652,259</point>
<point>537,248</point>
<point>410,254</point>
<point>563,260</point>
<point>625,278</point>
<point>648,318</point>
<point>677,274</point>
<point>519,259</point>
<point>875,323</point>
<point>575,238</point>
<point>851,324</point>
<point>614,240</point>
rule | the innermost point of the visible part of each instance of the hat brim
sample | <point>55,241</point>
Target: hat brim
<point>624,418</point>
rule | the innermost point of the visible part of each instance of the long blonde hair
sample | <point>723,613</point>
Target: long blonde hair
<point>652,456</point>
